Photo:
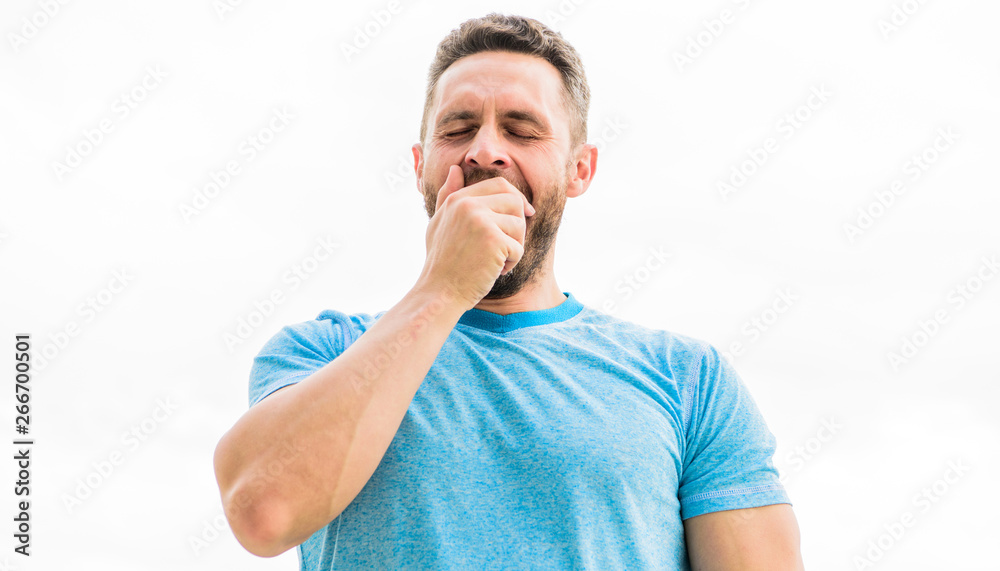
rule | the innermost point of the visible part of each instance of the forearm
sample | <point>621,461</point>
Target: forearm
<point>328,432</point>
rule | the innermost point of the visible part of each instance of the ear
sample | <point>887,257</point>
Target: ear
<point>581,170</point>
<point>418,166</point>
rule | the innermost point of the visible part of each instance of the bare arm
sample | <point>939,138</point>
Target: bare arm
<point>753,539</point>
<point>339,424</point>
<point>327,433</point>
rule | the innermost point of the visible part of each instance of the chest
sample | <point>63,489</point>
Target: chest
<point>573,417</point>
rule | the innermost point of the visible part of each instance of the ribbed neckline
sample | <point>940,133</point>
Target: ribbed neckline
<point>496,323</point>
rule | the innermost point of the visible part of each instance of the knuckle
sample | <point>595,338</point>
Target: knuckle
<point>480,219</point>
<point>517,252</point>
<point>464,206</point>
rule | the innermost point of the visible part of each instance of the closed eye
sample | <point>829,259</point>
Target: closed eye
<point>513,133</point>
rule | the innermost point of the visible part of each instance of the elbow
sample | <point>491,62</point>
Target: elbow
<point>259,521</point>
<point>260,528</point>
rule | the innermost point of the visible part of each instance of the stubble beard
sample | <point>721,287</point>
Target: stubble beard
<point>540,231</point>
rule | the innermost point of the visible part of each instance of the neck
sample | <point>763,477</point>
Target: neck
<point>541,293</point>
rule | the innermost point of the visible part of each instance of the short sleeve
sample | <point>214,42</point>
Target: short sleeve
<point>294,353</point>
<point>728,448</point>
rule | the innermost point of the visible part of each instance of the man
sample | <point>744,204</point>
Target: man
<point>489,420</point>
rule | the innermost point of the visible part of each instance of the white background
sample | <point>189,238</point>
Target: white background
<point>341,170</point>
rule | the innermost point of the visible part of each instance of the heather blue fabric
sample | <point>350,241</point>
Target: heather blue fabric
<point>562,438</point>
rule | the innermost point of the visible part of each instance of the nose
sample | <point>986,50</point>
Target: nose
<point>487,150</point>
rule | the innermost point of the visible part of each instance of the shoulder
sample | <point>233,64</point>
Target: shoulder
<point>299,349</point>
<point>674,351</point>
<point>329,333</point>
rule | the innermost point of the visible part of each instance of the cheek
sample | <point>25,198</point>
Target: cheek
<point>545,189</point>
<point>542,172</point>
<point>433,179</point>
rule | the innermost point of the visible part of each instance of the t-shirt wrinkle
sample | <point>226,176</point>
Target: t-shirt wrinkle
<point>562,438</point>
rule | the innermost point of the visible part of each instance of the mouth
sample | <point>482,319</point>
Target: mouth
<point>482,174</point>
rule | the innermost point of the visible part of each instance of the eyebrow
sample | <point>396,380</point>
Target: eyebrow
<point>514,115</point>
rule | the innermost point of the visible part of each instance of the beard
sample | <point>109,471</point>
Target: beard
<point>539,235</point>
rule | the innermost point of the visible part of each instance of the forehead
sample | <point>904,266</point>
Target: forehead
<point>510,81</point>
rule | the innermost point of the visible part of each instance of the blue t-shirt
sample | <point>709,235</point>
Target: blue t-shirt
<point>563,438</point>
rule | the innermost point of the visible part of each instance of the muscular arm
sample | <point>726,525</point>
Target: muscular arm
<point>753,539</point>
<point>329,431</point>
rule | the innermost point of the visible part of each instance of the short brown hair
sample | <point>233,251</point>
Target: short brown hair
<point>498,32</point>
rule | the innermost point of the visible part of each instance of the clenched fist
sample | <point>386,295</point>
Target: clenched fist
<point>475,236</point>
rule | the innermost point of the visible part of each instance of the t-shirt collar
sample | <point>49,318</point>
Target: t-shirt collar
<point>497,323</point>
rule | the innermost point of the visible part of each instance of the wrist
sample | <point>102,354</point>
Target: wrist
<point>434,301</point>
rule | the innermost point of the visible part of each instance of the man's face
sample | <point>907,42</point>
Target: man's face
<point>502,114</point>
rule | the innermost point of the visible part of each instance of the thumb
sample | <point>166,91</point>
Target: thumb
<point>455,181</point>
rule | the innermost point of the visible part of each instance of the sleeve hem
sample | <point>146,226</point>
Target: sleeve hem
<point>289,380</point>
<point>739,498</point>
